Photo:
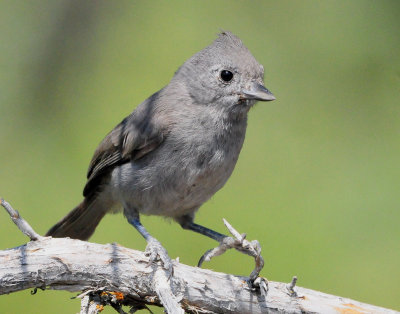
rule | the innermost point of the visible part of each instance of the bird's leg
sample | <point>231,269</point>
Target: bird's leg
<point>204,231</point>
<point>238,242</point>
<point>154,249</point>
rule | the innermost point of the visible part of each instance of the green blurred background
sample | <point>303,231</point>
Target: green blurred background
<point>317,182</point>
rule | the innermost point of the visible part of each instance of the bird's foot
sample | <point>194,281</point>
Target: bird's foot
<point>156,252</point>
<point>238,242</point>
<point>261,284</point>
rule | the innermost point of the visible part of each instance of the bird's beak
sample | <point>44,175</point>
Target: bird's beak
<point>258,92</point>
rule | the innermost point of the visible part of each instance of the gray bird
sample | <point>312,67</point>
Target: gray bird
<point>176,149</point>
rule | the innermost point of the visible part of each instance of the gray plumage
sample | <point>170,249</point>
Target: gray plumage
<point>178,147</point>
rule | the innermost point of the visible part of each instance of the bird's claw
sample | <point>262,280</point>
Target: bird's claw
<point>261,284</point>
<point>238,242</point>
<point>156,252</point>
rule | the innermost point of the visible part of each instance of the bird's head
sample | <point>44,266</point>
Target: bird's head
<point>224,74</point>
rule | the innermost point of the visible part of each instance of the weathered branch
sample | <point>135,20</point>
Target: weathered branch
<point>112,274</point>
<point>19,221</point>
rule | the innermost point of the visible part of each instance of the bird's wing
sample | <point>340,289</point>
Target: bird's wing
<point>130,140</point>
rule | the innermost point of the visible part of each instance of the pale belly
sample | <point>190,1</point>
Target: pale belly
<point>170,189</point>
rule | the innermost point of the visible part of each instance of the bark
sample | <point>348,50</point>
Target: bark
<point>114,275</point>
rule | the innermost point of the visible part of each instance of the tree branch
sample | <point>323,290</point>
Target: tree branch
<point>114,275</point>
<point>19,221</point>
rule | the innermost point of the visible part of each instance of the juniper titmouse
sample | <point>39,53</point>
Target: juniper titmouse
<point>176,149</point>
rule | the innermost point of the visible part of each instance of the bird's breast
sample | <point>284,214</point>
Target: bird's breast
<point>186,170</point>
<point>203,161</point>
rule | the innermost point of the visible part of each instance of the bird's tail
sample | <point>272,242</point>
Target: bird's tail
<point>81,222</point>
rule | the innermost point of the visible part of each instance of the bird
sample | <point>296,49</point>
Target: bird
<point>176,149</point>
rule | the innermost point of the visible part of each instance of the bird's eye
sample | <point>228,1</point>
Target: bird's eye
<point>226,75</point>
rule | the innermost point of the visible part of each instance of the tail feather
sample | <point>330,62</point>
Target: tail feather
<point>81,222</point>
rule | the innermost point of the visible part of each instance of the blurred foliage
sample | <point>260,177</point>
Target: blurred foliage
<point>317,182</point>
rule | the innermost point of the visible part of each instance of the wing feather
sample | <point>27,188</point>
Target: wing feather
<point>136,136</point>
